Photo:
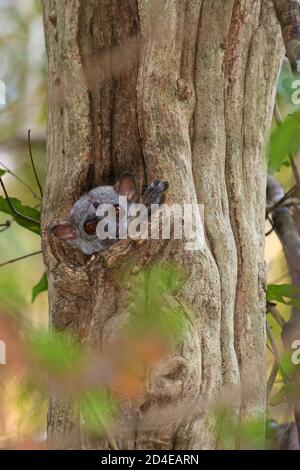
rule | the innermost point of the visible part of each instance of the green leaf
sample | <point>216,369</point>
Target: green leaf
<point>286,366</point>
<point>252,432</point>
<point>282,292</point>
<point>56,352</point>
<point>285,141</point>
<point>24,210</point>
<point>41,286</point>
<point>228,429</point>
<point>98,409</point>
<point>2,172</point>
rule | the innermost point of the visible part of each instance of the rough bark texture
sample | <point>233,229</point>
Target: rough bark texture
<point>182,90</point>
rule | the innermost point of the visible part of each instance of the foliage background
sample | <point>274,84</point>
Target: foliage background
<point>22,68</point>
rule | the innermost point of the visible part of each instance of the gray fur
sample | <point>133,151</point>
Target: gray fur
<point>86,207</point>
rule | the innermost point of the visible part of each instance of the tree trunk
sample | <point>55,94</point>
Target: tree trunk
<point>182,90</point>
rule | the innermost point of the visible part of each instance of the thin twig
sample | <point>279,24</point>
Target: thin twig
<point>12,208</point>
<point>276,315</point>
<point>281,200</point>
<point>272,226</point>
<point>272,343</point>
<point>20,258</point>
<point>283,276</point>
<point>6,225</point>
<point>269,231</point>
<point>295,171</point>
<point>109,435</point>
<point>276,353</point>
<point>20,181</point>
<point>272,378</point>
<point>33,166</point>
<point>277,114</point>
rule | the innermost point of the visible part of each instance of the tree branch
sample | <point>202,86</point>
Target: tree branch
<point>20,258</point>
<point>33,165</point>
<point>272,378</point>
<point>276,315</point>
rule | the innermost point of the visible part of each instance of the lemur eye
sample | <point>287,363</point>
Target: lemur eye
<point>90,226</point>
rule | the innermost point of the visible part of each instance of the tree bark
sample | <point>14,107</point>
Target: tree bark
<point>183,91</point>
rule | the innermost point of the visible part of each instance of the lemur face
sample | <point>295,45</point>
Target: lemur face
<point>80,230</point>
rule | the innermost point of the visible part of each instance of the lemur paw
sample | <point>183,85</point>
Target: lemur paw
<point>155,193</point>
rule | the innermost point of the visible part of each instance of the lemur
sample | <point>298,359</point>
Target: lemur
<point>80,230</point>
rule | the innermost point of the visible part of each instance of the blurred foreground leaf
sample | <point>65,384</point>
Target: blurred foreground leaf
<point>230,431</point>
<point>289,393</point>
<point>56,352</point>
<point>286,366</point>
<point>98,410</point>
<point>152,303</point>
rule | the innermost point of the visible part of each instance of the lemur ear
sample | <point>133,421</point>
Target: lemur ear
<point>126,186</point>
<point>64,231</point>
